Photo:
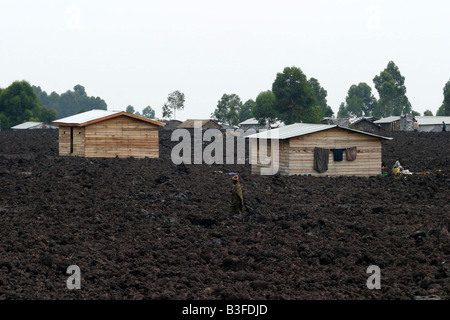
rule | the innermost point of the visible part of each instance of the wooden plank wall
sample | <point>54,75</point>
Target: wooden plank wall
<point>297,154</point>
<point>282,161</point>
<point>367,162</point>
<point>64,141</point>
<point>123,137</point>
<point>78,141</point>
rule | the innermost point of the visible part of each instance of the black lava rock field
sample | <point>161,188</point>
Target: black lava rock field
<point>149,229</point>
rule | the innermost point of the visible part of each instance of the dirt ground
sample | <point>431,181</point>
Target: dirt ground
<point>148,229</point>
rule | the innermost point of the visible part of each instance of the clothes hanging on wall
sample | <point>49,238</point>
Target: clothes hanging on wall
<point>351,153</point>
<point>338,154</point>
<point>321,159</point>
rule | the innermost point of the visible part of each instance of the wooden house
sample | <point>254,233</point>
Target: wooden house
<point>101,133</point>
<point>389,124</point>
<point>397,123</point>
<point>297,143</point>
<point>364,124</point>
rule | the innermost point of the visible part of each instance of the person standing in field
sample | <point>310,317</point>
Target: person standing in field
<point>237,200</point>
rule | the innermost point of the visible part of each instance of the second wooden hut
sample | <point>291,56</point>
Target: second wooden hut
<point>296,147</point>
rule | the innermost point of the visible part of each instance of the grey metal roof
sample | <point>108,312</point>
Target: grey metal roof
<point>86,116</point>
<point>424,121</point>
<point>388,119</point>
<point>28,125</point>
<point>300,129</point>
<point>249,122</point>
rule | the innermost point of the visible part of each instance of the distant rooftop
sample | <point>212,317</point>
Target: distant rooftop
<point>95,115</point>
<point>300,129</point>
<point>251,121</point>
<point>28,125</point>
<point>424,120</point>
<point>388,119</point>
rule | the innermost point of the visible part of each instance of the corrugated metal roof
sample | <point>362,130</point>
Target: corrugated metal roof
<point>388,119</point>
<point>423,121</point>
<point>93,116</point>
<point>293,130</point>
<point>28,125</point>
<point>300,129</point>
<point>86,116</point>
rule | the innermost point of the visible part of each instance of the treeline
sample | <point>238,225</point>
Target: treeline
<point>390,85</point>
<point>19,103</point>
<point>70,102</point>
<point>295,98</point>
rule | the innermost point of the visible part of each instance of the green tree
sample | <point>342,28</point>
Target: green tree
<point>428,113</point>
<point>148,112</point>
<point>313,115</point>
<point>415,113</point>
<point>294,97</point>
<point>47,115</point>
<point>359,102</point>
<point>246,110</point>
<point>321,97</point>
<point>130,109</point>
<point>166,111</point>
<point>70,102</point>
<point>264,110</point>
<point>228,109</point>
<point>343,113</point>
<point>444,110</point>
<point>390,85</point>
<point>16,99</point>
<point>19,103</point>
<point>175,101</point>
<point>5,124</point>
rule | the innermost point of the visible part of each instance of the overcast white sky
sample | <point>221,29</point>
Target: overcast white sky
<point>137,52</point>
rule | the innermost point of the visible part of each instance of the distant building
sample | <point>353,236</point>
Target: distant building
<point>33,125</point>
<point>253,123</point>
<point>366,125</point>
<point>170,125</point>
<point>204,123</point>
<point>341,122</point>
<point>228,126</point>
<point>389,123</point>
<point>408,123</point>
<point>432,124</point>
<point>397,123</point>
